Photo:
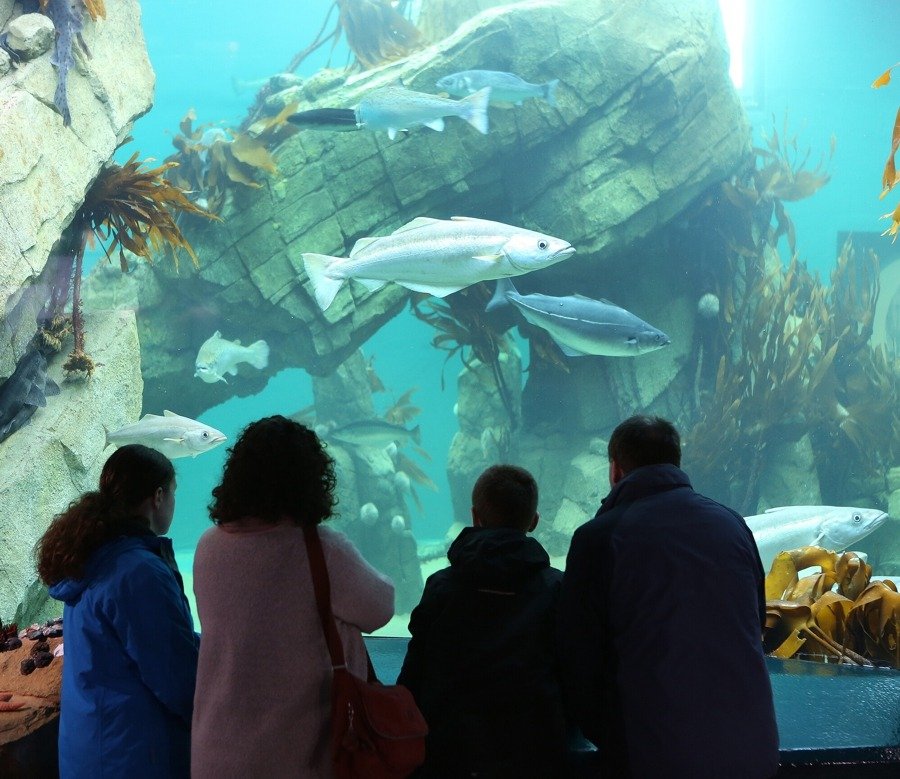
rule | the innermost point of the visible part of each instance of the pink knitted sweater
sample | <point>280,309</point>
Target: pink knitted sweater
<point>262,704</point>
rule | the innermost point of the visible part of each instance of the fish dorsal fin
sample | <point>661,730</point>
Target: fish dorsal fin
<point>604,300</point>
<point>151,416</point>
<point>237,341</point>
<point>217,334</point>
<point>468,219</point>
<point>777,508</point>
<point>172,415</point>
<point>361,244</point>
<point>591,300</point>
<point>415,224</point>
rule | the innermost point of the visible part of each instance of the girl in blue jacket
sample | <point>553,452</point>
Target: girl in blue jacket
<point>130,648</point>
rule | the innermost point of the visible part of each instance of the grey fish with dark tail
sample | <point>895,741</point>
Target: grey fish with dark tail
<point>583,326</point>
<point>24,392</point>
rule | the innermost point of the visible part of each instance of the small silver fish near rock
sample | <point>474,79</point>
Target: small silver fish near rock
<point>173,435</point>
<point>373,433</point>
<point>397,108</point>
<point>505,87</point>
<point>218,356</point>
<point>583,326</point>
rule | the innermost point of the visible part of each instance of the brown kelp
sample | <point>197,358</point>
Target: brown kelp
<point>889,174</point>
<point>462,325</point>
<point>131,208</point>
<point>376,31</point>
<point>857,624</point>
<point>211,160</point>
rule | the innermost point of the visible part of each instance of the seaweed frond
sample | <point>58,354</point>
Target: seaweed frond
<point>375,30</point>
<point>135,207</point>
<point>210,160</point>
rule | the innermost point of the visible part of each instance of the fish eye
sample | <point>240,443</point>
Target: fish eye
<point>542,244</point>
<point>857,518</point>
<point>204,435</point>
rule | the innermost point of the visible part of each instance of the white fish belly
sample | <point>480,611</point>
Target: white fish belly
<point>596,339</point>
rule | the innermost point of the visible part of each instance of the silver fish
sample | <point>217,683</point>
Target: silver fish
<point>583,326</point>
<point>505,87</point>
<point>373,433</point>
<point>397,108</point>
<point>218,356</point>
<point>173,435</point>
<point>24,392</point>
<point>436,256</point>
<point>790,527</point>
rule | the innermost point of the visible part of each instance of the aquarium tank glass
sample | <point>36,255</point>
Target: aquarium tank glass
<point>451,233</point>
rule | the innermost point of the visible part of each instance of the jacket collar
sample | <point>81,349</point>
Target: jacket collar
<point>644,481</point>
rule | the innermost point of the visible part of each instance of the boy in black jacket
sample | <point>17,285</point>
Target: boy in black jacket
<point>481,661</point>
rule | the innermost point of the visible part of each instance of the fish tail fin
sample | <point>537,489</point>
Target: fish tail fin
<point>504,286</point>
<point>324,287</point>
<point>416,434</point>
<point>106,441</point>
<point>476,106</point>
<point>550,92</point>
<point>259,354</point>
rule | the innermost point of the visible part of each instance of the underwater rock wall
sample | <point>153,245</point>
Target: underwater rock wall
<point>630,144</point>
<point>60,452</point>
<point>45,170</point>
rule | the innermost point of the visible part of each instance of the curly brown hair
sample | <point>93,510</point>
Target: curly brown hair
<point>130,475</point>
<point>276,469</point>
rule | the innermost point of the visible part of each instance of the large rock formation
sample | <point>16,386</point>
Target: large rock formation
<point>45,170</point>
<point>646,120</point>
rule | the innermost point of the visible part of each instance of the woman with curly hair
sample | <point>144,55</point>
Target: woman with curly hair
<point>263,701</point>
<point>131,651</point>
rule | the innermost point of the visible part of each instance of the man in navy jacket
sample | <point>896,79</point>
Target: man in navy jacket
<point>661,616</point>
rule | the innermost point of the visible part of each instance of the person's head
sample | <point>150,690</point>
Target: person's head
<point>505,496</point>
<point>277,469</point>
<point>642,440</point>
<point>136,495</point>
<point>139,481</point>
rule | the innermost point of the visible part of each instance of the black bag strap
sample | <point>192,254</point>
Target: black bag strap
<point>322,589</point>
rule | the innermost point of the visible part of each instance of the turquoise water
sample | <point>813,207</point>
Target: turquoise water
<point>810,62</point>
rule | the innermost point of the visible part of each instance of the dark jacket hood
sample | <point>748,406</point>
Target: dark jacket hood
<point>70,590</point>
<point>495,555</point>
<point>645,481</point>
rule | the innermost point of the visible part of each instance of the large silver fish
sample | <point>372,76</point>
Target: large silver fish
<point>505,87</point>
<point>583,326</point>
<point>436,256</point>
<point>218,356</point>
<point>397,108</point>
<point>173,435</point>
<point>789,527</point>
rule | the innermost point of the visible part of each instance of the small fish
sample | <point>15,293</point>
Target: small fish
<point>436,256</point>
<point>791,527</point>
<point>505,87</point>
<point>885,78</point>
<point>583,326</point>
<point>218,356</point>
<point>173,435</point>
<point>374,433</point>
<point>397,108</point>
<point>24,392</point>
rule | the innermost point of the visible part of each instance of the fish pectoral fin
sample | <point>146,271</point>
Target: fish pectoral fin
<point>631,341</point>
<point>174,440</point>
<point>438,292</point>
<point>437,124</point>
<point>568,350</point>
<point>488,257</point>
<point>818,539</point>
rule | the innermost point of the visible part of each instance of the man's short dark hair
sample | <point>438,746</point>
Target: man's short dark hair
<point>642,440</point>
<point>505,496</point>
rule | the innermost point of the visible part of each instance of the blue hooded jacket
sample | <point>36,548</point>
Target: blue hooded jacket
<point>130,665</point>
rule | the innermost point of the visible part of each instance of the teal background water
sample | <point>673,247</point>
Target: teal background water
<point>811,61</point>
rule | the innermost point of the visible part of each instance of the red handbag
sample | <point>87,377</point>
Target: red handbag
<point>377,731</point>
